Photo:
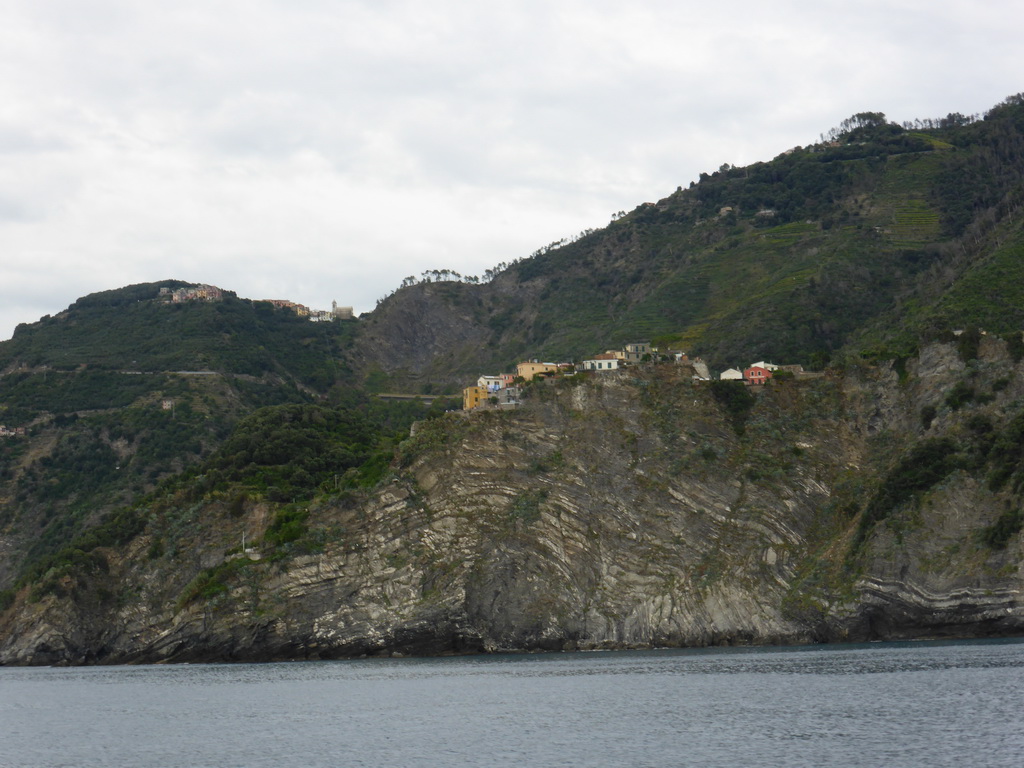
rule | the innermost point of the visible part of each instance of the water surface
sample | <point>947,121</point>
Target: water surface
<point>895,704</point>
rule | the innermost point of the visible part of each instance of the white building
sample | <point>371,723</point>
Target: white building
<point>491,383</point>
<point>605,362</point>
<point>731,375</point>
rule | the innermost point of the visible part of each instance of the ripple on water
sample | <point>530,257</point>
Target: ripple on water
<point>906,704</point>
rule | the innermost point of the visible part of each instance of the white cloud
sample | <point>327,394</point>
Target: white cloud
<point>319,150</point>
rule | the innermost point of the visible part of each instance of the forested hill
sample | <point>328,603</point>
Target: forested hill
<point>126,389</point>
<point>134,328</point>
<point>870,241</point>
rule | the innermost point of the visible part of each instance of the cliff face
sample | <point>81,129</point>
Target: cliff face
<point>635,510</point>
<point>950,561</point>
<point>426,334</point>
<point>444,334</point>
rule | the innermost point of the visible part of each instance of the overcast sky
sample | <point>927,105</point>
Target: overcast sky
<point>325,149</point>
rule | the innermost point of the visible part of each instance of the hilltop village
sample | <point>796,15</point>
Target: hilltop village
<point>503,390</point>
<point>205,292</point>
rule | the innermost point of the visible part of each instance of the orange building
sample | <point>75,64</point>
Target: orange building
<point>473,397</point>
<point>529,370</point>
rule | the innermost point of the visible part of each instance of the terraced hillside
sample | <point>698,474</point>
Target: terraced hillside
<point>847,247</point>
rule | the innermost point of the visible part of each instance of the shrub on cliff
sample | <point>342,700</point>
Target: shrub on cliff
<point>735,399</point>
<point>926,464</point>
<point>1006,526</point>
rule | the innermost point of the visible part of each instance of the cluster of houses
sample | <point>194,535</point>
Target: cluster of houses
<point>11,431</point>
<point>761,373</point>
<point>205,292</point>
<point>315,315</point>
<point>503,390</point>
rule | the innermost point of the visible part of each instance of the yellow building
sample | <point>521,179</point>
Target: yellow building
<point>473,397</point>
<point>529,370</point>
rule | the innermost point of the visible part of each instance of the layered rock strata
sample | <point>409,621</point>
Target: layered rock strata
<point>630,511</point>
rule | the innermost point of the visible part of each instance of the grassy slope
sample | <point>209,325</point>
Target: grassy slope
<point>869,247</point>
<point>867,239</point>
<point>730,286</point>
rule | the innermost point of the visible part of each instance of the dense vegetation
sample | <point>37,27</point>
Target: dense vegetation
<point>125,389</point>
<point>282,454</point>
<point>920,469</point>
<point>293,452</point>
<point>102,460</point>
<point>133,329</point>
<point>866,243</point>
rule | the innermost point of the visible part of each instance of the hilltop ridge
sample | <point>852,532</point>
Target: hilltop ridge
<point>876,239</point>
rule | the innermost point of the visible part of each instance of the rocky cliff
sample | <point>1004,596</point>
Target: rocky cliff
<point>637,509</point>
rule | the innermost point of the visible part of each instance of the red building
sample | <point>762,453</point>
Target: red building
<point>756,374</point>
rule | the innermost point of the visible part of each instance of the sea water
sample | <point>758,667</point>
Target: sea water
<point>894,704</point>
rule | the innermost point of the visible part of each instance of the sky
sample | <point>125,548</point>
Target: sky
<point>319,150</point>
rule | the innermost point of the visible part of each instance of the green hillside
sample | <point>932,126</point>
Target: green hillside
<point>860,247</point>
<point>866,243</point>
<point>125,390</point>
<point>133,329</point>
<point>794,259</point>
